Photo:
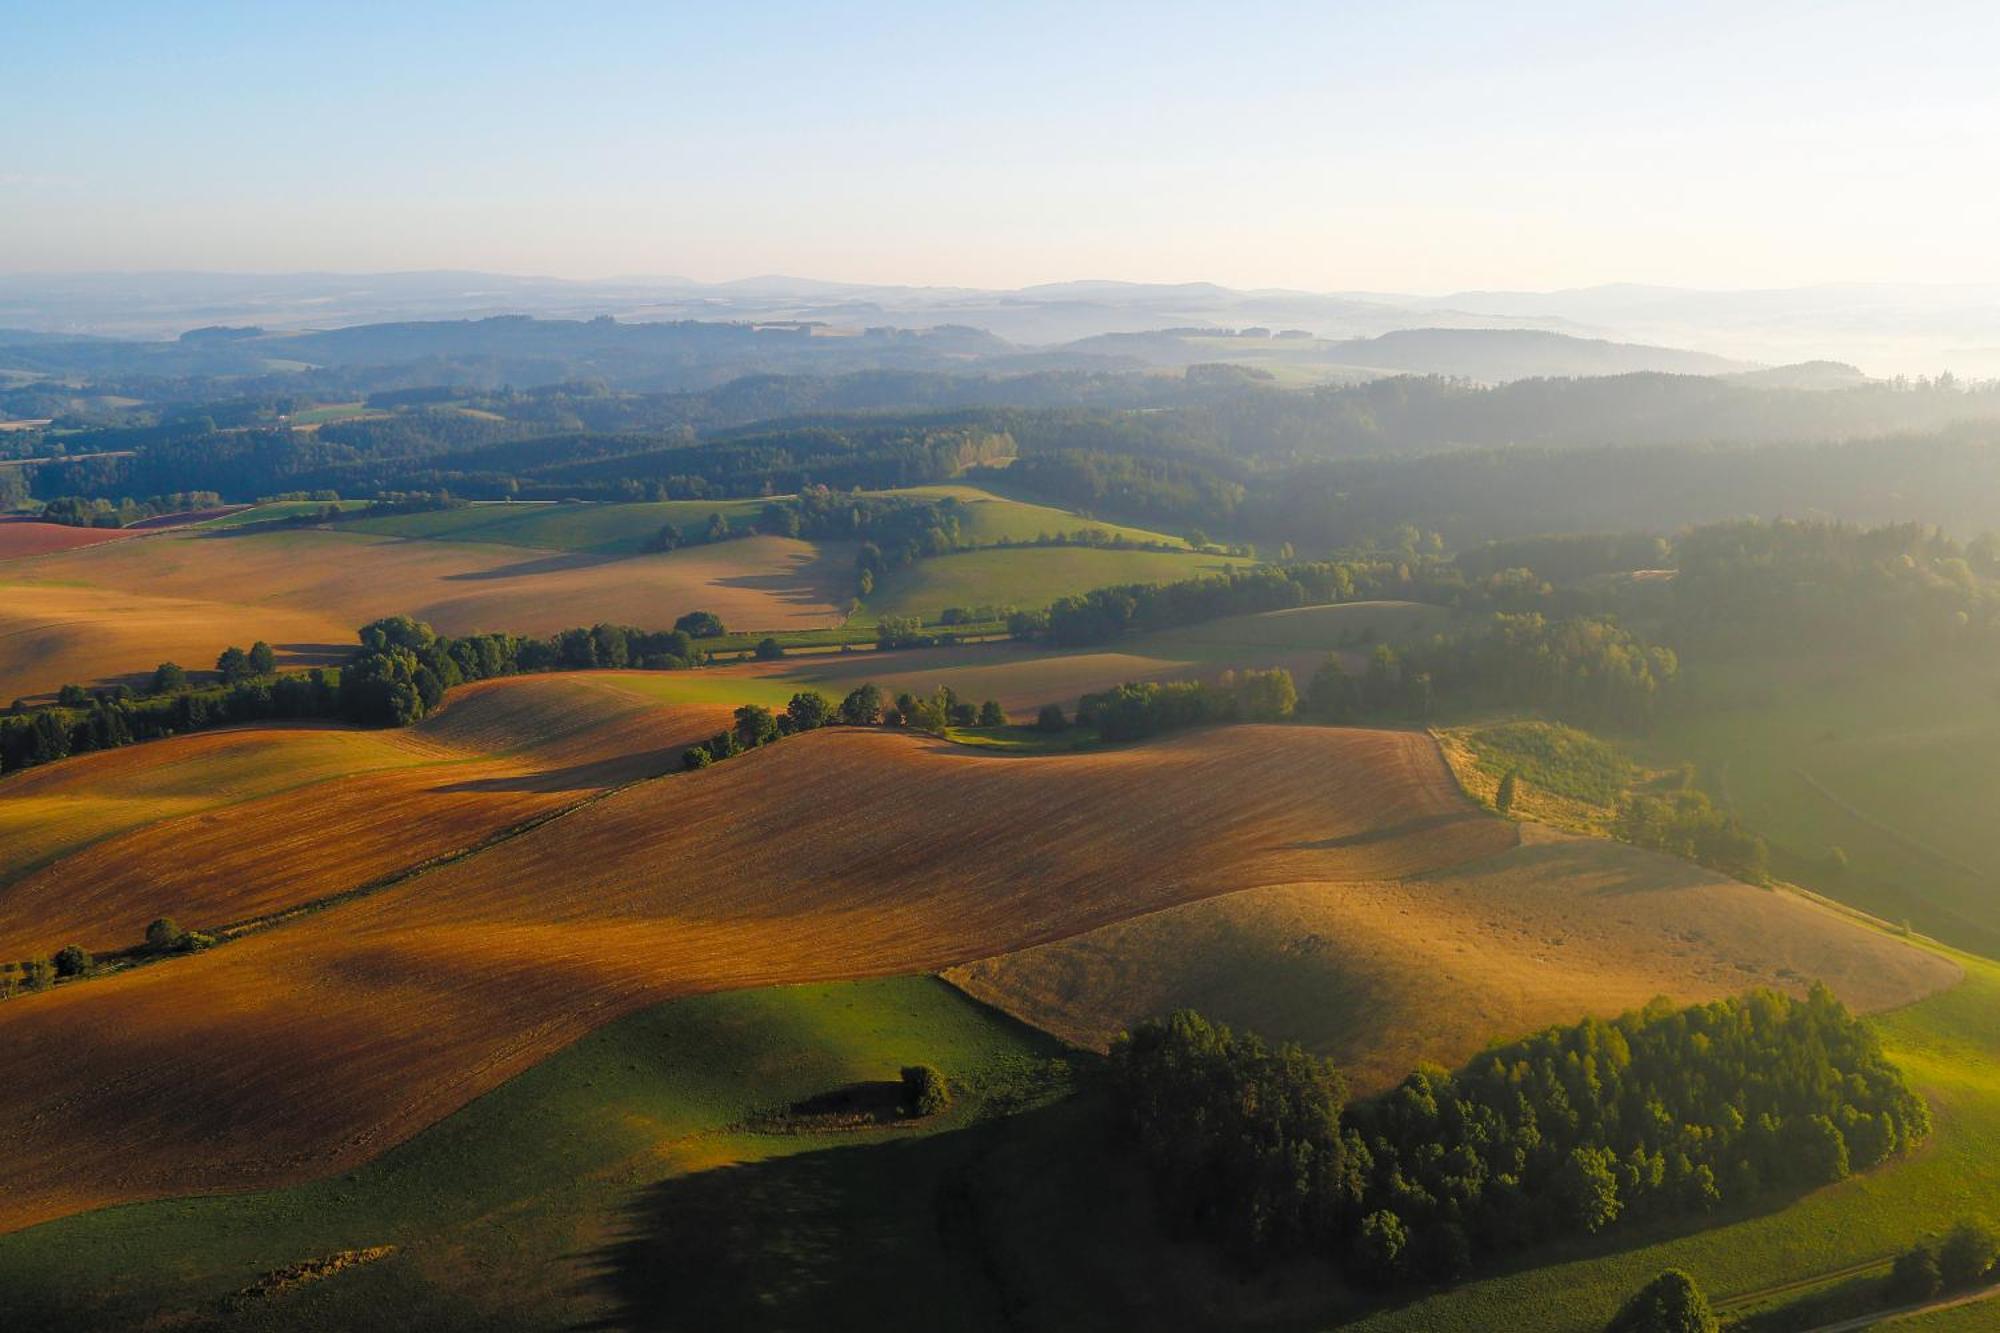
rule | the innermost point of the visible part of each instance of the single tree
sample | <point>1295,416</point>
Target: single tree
<point>755,726</point>
<point>1503,800</point>
<point>163,935</point>
<point>769,650</point>
<point>809,710</point>
<point>72,960</point>
<point>1670,1303</point>
<point>991,714</point>
<point>862,707</point>
<point>1051,718</point>
<point>234,664</point>
<point>168,678</point>
<point>263,659</point>
<point>700,625</point>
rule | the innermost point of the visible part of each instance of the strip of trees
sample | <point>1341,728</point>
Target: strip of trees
<point>1662,1112</point>
<point>399,674</point>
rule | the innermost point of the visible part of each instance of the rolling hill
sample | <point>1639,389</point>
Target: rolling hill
<point>302,1049</point>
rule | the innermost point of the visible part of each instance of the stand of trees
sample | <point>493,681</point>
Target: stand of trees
<point>400,673</point>
<point>1568,1132</point>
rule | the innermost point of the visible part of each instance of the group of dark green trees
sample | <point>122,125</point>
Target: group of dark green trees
<point>1567,1132</point>
<point>754,725</point>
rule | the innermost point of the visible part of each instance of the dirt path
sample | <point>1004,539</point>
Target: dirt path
<point>1859,1322</point>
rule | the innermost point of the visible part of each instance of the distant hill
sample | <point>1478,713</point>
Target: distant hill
<point>1488,355</point>
<point>1495,355</point>
<point>1805,375</point>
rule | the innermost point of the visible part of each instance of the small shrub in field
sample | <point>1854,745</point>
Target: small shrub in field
<point>925,1091</point>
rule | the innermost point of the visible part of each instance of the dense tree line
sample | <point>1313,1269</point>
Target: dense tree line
<point>399,674</point>
<point>80,512</point>
<point>1583,669</point>
<point>1134,711</point>
<point>1573,1130</point>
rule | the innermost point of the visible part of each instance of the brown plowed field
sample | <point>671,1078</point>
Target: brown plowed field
<point>75,615</point>
<point>292,831</point>
<point>1382,975</point>
<point>298,1050</point>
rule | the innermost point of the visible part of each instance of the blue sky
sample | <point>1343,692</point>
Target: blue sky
<point>1419,147</point>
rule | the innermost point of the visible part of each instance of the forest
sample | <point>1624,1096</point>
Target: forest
<point>1658,1113</point>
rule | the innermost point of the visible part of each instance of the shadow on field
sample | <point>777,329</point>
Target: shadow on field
<point>548,564</point>
<point>577,777</point>
<point>843,1237</point>
<point>1390,832</point>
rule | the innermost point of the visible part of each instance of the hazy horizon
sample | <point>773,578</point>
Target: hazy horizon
<point>1439,149</point>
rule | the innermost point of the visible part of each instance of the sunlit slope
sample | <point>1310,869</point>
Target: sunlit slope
<point>219,828</point>
<point>117,610</point>
<point>1032,576</point>
<point>1432,967</point>
<point>295,1051</point>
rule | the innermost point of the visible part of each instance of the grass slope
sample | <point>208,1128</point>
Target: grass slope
<point>600,529</point>
<point>305,1049</point>
<point>544,1203</point>
<point>1030,576</point>
<point>1895,767</point>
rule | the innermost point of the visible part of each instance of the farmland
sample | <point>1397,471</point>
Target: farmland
<point>511,953</point>
<point>1029,577</point>
<point>115,611</point>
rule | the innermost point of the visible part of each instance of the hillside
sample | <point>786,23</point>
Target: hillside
<point>1380,976</point>
<point>890,854</point>
<point>117,610</point>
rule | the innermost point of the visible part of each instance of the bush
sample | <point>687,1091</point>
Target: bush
<point>1967,1255</point>
<point>1503,800</point>
<point>696,756</point>
<point>1670,1303</point>
<point>1916,1275</point>
<point>925,1091</point>
<point>1051,718</point>
<point>768,650</point>
<point>72,960</point>
<point>164,936</point>
<point>37,973</point>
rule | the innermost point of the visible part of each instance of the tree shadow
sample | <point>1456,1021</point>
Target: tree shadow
<point>840,1237</point>
<point>577,777</point>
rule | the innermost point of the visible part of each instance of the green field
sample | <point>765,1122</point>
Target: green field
<point>570,1194</point>
<point>1030,577</point>
<point>1893,766</point>
<point>276,509</point>
<point>603,529</point>
<point>992,517</point>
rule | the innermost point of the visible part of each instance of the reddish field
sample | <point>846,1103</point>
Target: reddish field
<point>296,1051</point>
<point>24,536</point>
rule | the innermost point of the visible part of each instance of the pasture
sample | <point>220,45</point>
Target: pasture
<point>1893,767</point>
<point>992,517</point>
<point>1030,576</point>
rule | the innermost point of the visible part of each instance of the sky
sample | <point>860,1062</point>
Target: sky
<point>1419,147</point>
